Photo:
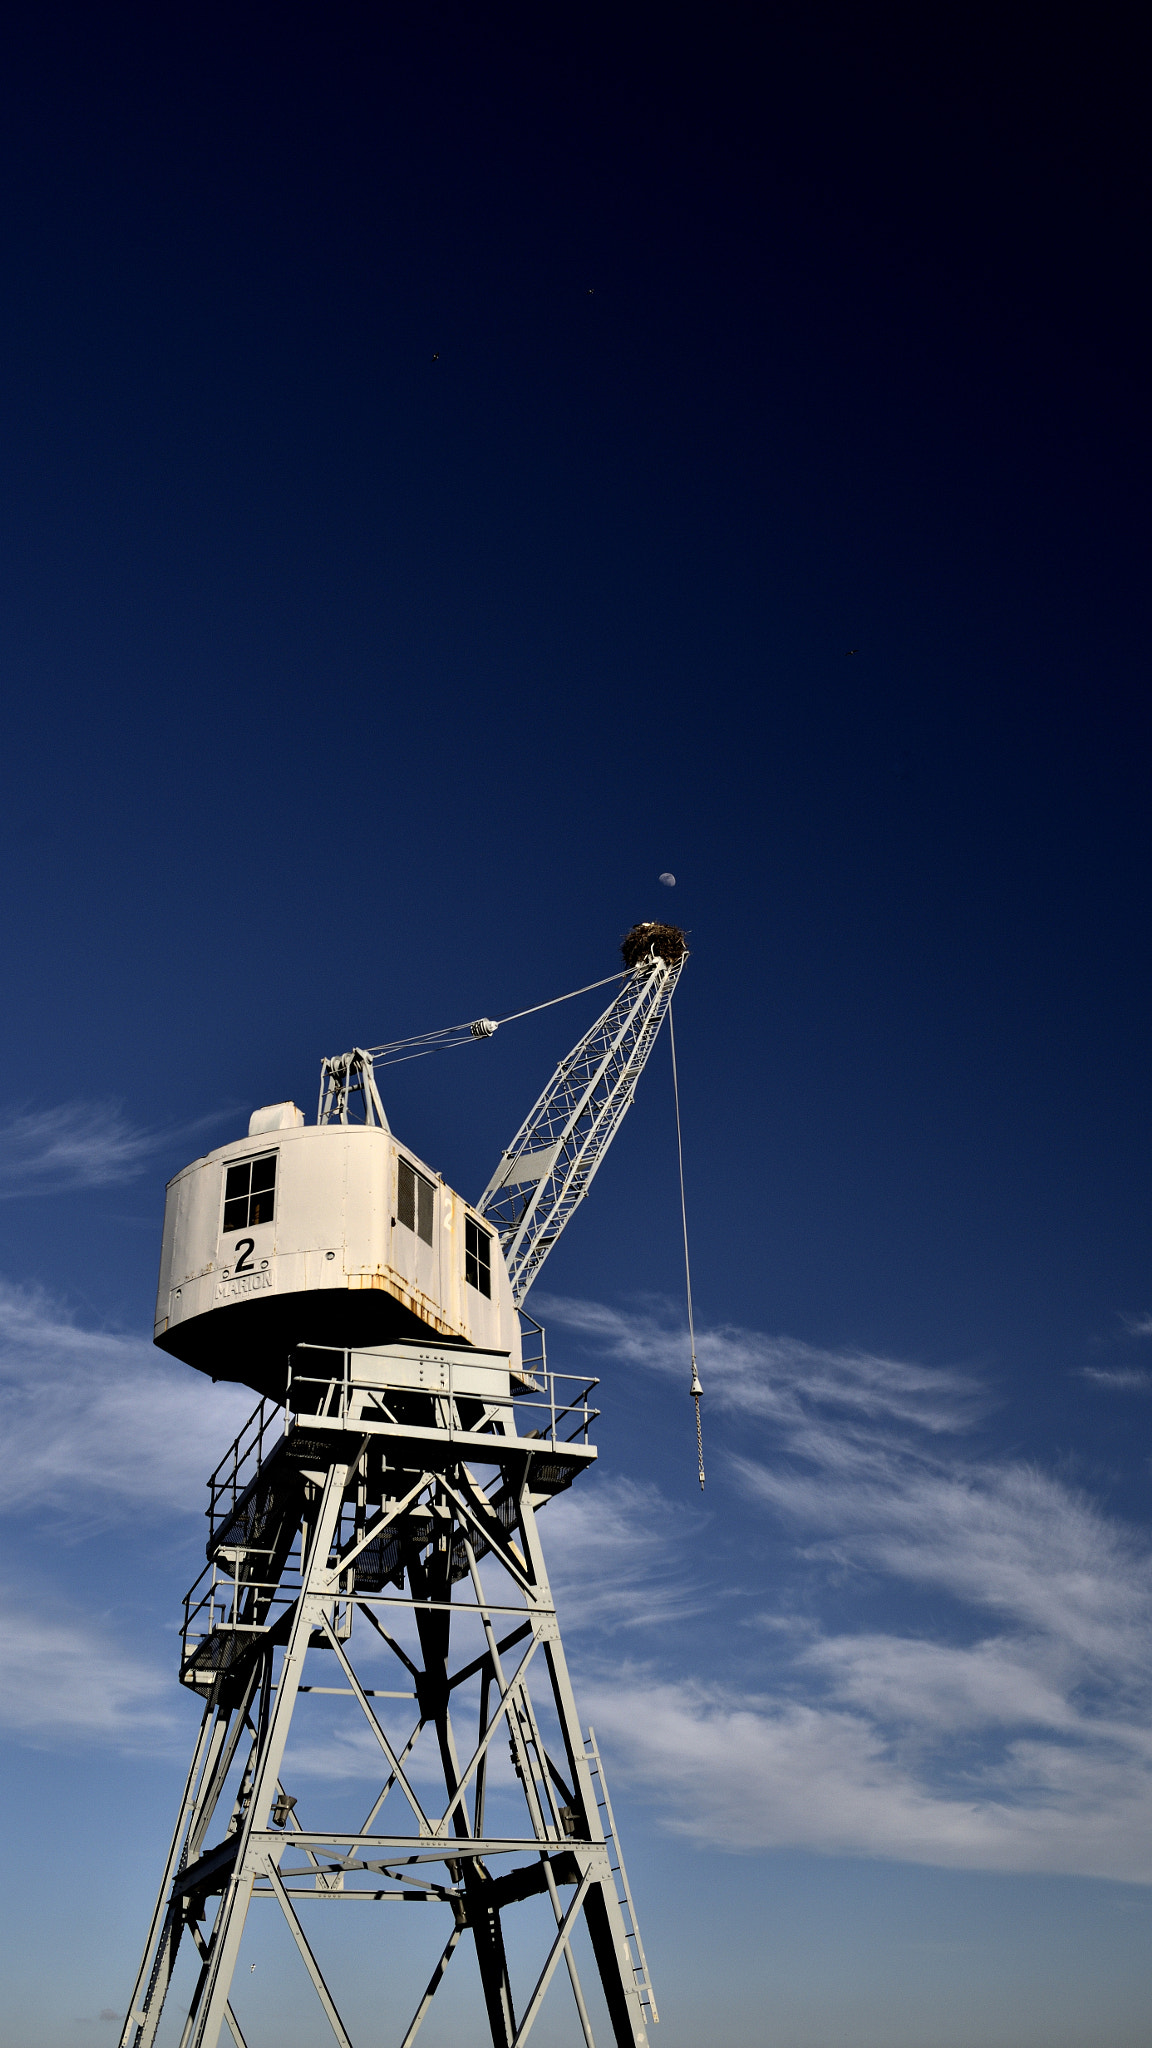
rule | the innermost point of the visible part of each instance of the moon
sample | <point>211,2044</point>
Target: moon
<point>669,881</point>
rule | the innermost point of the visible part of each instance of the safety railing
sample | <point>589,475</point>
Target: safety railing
<point>224,1602</point>
<point>533,1350</point>
<point>329,1384</point>
<point>241,1462</point>
<point>338,1386</point>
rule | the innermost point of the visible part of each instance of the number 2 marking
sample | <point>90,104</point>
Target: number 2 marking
<point>247,1245</point>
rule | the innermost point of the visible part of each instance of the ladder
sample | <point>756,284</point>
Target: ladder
<point>636,1956</point>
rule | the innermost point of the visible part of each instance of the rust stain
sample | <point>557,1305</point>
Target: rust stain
<point>410,1298</point>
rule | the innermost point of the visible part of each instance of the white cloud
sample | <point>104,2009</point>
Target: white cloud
<point>913,1685</point>
<point>1005,1538</point>
<point>748,1773</point>
<point>59,1147</point>
<point>94,1419</point>
<point>1122,1379</point>
<point>617,1557</point>
<point>96,1425</point>
<point>1138,1326</point>
<point>779,1379</point>
<point>61,1678</point>
<point>70,1145</point>
<point>1004,1725</point>
<point>998,1717</point>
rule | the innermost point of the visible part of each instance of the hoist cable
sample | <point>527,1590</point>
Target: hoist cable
<point>696,1390</point>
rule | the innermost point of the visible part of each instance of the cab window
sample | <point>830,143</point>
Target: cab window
<point>477,1257</point>
<point>250,1193</point>
<point>414,1200</point>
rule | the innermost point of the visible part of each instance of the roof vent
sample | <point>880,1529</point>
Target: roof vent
<point>279,1116</point>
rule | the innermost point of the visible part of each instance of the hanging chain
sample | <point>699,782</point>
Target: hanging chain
<point>696,1390</point>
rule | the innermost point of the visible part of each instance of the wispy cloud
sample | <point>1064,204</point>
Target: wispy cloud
<point>1138,1326</point>
<point>780,1379</point>
<point>100,1421</point>
<point>747,1772</point>
<point>61,1678</point>
<point>70,1145</point>
<point>1122,1379</point>
<point>912,1684</point>
<point>997,1715</point>
<point>619,1560</point>
<point>97,1426</point>
<point>1004,1539</point>
<point>1004,1723</point>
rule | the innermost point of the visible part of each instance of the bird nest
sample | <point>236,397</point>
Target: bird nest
<point>667,941</point>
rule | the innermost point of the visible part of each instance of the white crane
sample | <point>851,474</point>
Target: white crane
<point>384,1466</point>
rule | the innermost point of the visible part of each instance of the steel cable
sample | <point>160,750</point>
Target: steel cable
<point>451,1035</point>
<point>696,1390</point>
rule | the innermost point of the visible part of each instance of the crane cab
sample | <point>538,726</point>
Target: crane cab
<point>332,1234</point>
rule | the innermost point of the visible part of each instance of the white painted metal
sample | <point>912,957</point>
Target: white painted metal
<point>279,1116</point>
<point>335,1226</point>
<point>342,1078</point>
<point>549,1167</point>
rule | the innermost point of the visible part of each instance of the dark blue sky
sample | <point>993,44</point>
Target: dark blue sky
<point>446,456</point>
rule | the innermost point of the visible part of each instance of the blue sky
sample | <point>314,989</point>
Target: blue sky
<point>444,466</point>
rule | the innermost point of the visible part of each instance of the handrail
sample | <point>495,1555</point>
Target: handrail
<point>542,1393</point>
<point>243,1460</point>
<point>225,1600</point>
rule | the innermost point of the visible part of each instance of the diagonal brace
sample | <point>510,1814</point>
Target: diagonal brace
<point>434,1983</point>
<point>496,1536</point>
<point>310,1963</point>
<point>377,1527</point>
<point>554,1954</point>
<point>233,2022</point>
<point>393,1760</point>
<point>481,1750</point>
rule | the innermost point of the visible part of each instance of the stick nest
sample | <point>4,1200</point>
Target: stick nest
<point>666,940</point>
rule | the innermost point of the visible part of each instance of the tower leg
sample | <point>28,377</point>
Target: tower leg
<point>602,1911</point>
<point>221,1732</point>
<point>159,1940</point>
<point>252,1856</point>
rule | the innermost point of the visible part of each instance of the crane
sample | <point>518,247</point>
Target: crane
<point>389,1480</point>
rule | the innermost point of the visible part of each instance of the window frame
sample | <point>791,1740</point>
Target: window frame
<point>231,1166</point>
<point>421,1187</point>
<point>475,1237</point>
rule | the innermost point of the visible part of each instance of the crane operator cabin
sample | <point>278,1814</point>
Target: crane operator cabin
<point>329,1233</point>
